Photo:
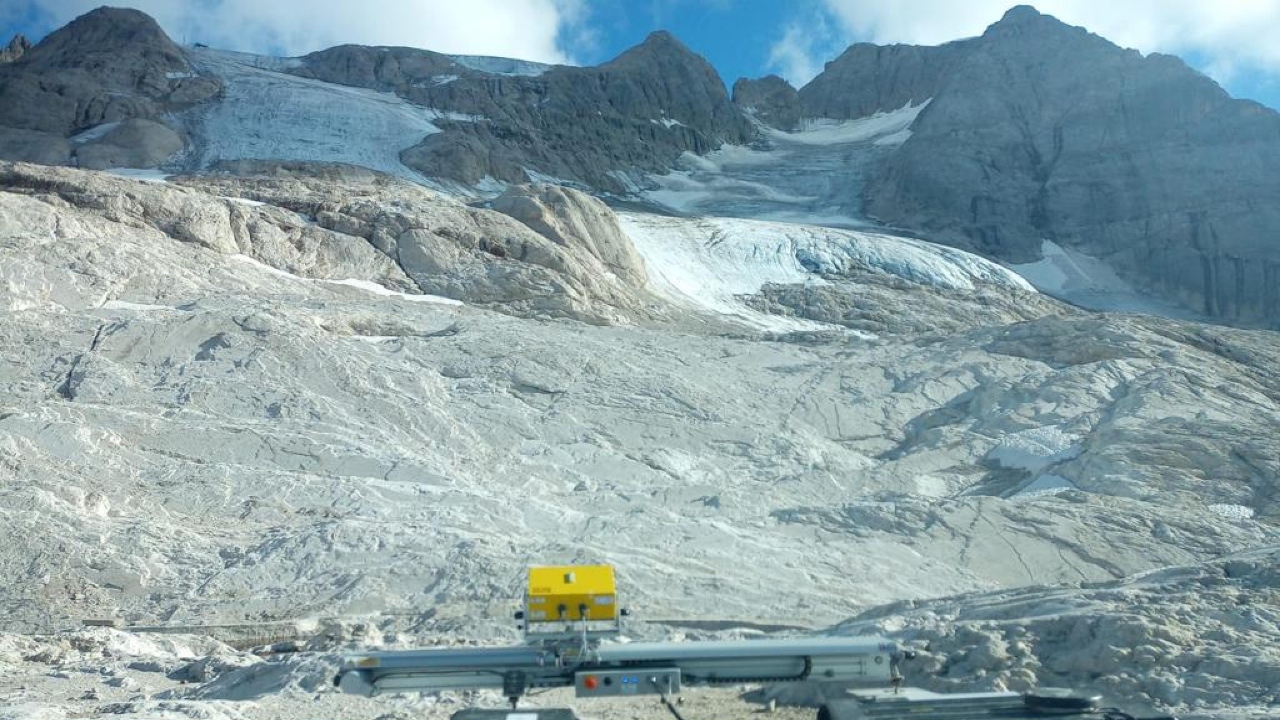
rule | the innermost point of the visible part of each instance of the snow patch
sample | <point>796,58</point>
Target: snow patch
<point>140,307</point>
<point>1235,512</point>
<point>1043,486</point>
<point>365,285</point>
<point>377,289</point>
<point>501,66</point>
<point>243,201</point>
<point>97,132</point>
<point>1036,449</point>
<point>1091,283</point>
<point>885,128</point>
<point>142,175</point>
<point>813,173</point>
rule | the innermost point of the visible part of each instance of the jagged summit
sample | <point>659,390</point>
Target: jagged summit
<point>16,48</point>
<point>663,49</point>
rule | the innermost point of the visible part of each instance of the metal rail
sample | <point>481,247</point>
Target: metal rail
<point>855,662</point>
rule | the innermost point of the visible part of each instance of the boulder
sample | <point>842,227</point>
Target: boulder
<point>134,143</point>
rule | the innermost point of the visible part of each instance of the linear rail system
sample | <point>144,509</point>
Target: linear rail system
<point>569,612</point>
<point>856,662</point>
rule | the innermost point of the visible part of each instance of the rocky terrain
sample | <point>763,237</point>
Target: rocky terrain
<point>93,93</point>
<point>1138,162</point>
<point>338,372</point>
<point>250,402</point>
<point>1041,131</point>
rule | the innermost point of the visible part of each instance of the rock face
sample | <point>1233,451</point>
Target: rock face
<point>1038,130</point>
<point>16,48</point>
<point>549,252</point>
<point>34,146</point>
<point>770,99</point>
<point>638,112</point>
<point>574,219</point>
<point>134,143</point>
<point>110,65</point>
<point>867,79</point>
<point>270,235</point>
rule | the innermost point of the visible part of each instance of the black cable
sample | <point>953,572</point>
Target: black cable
<point>665,700</point>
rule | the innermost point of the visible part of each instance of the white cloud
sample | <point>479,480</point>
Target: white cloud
<point>1229,35</point>
<point>804,48</point>
<point>528,29</point>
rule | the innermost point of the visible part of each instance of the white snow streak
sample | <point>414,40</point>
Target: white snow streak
<point>886,128</point>
<point>710,262</point>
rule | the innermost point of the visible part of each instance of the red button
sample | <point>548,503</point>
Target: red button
<point>590,682</point>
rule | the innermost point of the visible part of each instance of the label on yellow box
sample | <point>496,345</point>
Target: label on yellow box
<point>571,587</point>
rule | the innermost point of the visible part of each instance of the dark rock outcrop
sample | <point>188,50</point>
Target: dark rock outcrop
<point>638,112</point>
<point>770,100</point>
<point>16,48</point>
<point>1039,130</point>
<point>109,65</point>
<point>868,78</point>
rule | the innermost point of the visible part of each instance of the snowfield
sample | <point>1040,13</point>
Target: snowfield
<point>268,114</point>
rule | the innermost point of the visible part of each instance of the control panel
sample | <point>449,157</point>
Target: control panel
<point>615,683</point>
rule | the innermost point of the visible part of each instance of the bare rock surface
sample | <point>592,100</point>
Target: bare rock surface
<point>1139,161</point>
<point>112,73</point>
<point>134,143</point>
<point>209,439</point>
<point>770,99</point>
<point>1199,640</point>
<point>583,268</point>
<point>34,146</point>
<point>574,219</point>
<point>16,48</point>
<point>636,113</point>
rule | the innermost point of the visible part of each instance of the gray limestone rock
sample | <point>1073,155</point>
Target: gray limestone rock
<point>1038,130</point>
<point>564,257</point>
<point>575,220</point>
<point>34,146</point>
<point>109,65</point>
<point>134,143</point>
<point>592,125</point>
<point>863,300</point>
<point>770,100</point>
<point>272,236</point>
<point>868,78</point>
<point>16,48</point>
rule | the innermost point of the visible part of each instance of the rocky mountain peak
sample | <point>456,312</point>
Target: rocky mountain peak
<point>107,35</point>
<point>16,48</point>
<point>1025,22</point>
<point>1022,15</point>
<point>663,50</point>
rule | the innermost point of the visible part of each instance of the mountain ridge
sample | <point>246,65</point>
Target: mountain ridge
<point>1137,161</point>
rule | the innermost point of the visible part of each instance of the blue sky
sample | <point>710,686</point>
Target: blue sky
<point>1232,41</point>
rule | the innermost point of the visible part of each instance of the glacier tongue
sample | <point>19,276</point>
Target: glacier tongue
<point>712,262</point>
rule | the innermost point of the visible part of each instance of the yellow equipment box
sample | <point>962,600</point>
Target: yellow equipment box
<point>559,593</point>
